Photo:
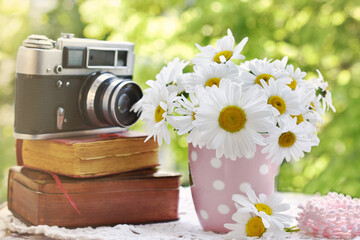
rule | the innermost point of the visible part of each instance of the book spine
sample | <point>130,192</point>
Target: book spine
<point>19,151</point>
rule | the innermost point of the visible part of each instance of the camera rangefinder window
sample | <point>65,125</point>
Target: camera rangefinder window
<point>102,58</point>
<point>73,57</point>
<point>121,58</point>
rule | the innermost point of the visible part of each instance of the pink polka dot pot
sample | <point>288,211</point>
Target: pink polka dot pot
<point>215,180</point>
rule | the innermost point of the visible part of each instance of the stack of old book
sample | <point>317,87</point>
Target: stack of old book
<point>91,181</point>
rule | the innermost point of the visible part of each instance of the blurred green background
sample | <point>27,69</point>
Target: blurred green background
<point>321,34</point>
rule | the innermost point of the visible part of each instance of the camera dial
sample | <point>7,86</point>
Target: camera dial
<point>106,99</point>
<point>38,41</point>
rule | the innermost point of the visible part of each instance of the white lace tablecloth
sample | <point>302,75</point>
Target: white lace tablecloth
<point>187,227</point>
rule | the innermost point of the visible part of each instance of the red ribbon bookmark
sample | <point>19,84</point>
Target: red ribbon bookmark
<point>59,184</point>
<point>19,159</point>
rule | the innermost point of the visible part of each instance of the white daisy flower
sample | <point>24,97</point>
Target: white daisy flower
<point>283,100</point>
<point>297,78</point>
<point>322,92</point>
<point>289,140</point>
<point>185,108</point>
<point>262,70</point>
<point>269,209</point>
<point>170,75</point>
<point>314,110</point>
<point>316,106</point>
<point>313,137</point>
<point>314,118</point>
<point>296,75</point>
<point>249,227</point>
<point>155,109</point>
<point>229,120</point>
<point>223,52</point>
<point>281,64</point>
<point>308,115</point>
<point>209,75</point>
<point>304,99</point>
<point>244,66</point>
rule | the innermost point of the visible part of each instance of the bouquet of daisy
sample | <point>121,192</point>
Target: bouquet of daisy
<point>234,108</point>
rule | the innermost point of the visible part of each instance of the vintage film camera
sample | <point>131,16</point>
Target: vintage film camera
<point>73,87</point>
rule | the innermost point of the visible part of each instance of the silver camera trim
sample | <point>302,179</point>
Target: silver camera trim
<point>37,60</point>
<point>90,98</point>
<point>106,98</point>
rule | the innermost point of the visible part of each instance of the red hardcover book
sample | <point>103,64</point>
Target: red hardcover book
<point>136,197</point>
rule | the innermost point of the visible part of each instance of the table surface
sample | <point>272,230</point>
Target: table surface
<point>187,227</point>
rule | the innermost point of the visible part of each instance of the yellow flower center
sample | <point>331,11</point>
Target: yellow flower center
<point>265,76</point>
<point>255,227</point>
<point>293,84</point>
<point>278,103</point>
<point>299,118</point>
<point>193,116</point>
<point>287,139</point>
<point>212,81</point>
<point>263,207</point>
<point>158,114</point>
<point>312,106</point>
<point>232,119</point>
<point>227,54</point>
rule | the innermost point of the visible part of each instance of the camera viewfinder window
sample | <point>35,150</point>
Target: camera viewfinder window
<point>73,57</point>
<point>121,59</point>
<point>101,58</point>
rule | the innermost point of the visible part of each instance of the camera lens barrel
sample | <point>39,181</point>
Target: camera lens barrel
<point>106,100</point>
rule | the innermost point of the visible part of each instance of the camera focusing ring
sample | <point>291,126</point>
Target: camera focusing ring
<point>114,100</point>
<point>90,98</point>
<point>106,99</point>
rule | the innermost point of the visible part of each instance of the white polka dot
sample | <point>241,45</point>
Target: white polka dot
<point>218,185</point>
<point>244,186</point>
<point>264,169</point>
<point>204,214</point>
<point>223,209</point>
<point>215,162</point>
<point>193,156</point>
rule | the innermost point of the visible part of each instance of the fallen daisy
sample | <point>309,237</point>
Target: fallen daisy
<point>258,216</point>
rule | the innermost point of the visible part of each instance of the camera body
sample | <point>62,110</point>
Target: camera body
<point>73,87</point>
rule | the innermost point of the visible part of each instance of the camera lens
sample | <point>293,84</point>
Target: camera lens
<point>106,100</point>
<point>124,103</point>
<point>124,97</point>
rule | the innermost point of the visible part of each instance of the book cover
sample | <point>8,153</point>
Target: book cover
<point>89,156</point>
<point>137,197</point>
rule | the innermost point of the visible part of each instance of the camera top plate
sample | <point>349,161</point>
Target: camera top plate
<point>40,55</point>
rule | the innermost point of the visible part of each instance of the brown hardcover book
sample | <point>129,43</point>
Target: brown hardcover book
<point>89,156</point>
<point>136,197</point>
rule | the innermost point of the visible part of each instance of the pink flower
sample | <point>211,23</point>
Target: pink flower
<point>333,216</point>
